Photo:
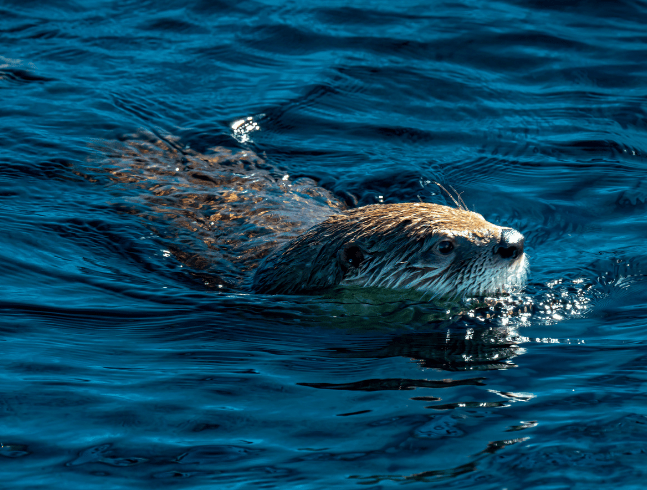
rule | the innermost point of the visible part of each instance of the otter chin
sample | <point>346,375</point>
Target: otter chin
<point>444,251</point>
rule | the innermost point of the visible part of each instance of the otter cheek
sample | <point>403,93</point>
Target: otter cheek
<point>432,260</point>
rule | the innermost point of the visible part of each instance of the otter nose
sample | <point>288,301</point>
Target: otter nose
<point>511,244</point>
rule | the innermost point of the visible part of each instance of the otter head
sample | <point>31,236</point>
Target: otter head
<point>432,248</point>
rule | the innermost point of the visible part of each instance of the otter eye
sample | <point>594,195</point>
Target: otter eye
<point>350,257</point>
<point>445,247</point>
<point>354,256</point>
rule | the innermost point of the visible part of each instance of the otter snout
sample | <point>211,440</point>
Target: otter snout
<point>511,244</point>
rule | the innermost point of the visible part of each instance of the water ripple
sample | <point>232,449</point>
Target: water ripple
<point>154,152</point>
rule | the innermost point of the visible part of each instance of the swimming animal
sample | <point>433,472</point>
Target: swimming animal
<point>240,224</point>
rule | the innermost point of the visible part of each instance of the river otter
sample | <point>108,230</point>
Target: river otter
<point>442,250</point>
<point>225,213</point>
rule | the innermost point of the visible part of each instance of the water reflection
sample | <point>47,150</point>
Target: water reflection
<point>453,349</point>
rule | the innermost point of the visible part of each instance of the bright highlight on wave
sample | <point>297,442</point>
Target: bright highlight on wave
<point>243,127</point>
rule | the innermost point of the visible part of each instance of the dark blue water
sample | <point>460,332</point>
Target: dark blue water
<point>133,354</point>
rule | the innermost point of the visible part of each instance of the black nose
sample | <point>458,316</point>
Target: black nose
<point>511,244</point>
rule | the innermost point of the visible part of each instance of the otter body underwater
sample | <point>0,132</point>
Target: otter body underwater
<point>238,223</point>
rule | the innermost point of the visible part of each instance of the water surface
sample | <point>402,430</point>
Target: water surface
<point>132,354</point>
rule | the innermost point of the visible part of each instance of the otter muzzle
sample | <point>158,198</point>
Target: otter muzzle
<point>511,244</point>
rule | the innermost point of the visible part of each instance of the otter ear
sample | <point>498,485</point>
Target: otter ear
<point>350,256</point>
